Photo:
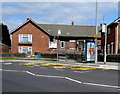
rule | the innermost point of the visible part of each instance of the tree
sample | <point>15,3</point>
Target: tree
<point>5,36</point>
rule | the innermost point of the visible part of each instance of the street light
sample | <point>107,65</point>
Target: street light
<point>58,33</point>
<point>104,30</point>
<point>96,41</point>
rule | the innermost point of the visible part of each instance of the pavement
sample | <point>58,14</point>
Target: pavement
<point>108,65</point>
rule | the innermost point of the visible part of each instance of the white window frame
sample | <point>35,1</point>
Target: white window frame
<point>72,48</point>
<point>61,44</point>
<point>20,49</point>
<point>112,47</point>
<point>53,44</point>
<point>108,48</point>
<point>109,30</point>
<point>29,37</point>
<point>72,40</point>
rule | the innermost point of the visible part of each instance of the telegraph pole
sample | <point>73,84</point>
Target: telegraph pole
<point>96,41</point>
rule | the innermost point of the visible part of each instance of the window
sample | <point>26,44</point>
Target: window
<point>108,49</point>
<point>27,50</point>
<point>59,32</point>
<point>53,43</point>
<point>72,48</point>
<point>81,45</point>
<point>72,41</point>
<point>112,48</point>
<point>109,30</point>
<point>25,38</point>
<point>62,44</point>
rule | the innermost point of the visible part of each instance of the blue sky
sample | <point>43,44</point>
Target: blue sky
<point>82,13</point>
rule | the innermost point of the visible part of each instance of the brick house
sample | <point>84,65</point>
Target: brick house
<point>113,37</point>
<point>50,38</point>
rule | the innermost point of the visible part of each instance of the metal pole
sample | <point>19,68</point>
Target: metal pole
<point>57,48</point>
<point>105,45</point>
<point>96,41</point>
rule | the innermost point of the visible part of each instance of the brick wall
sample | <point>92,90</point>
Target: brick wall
<point>40,41</point>
<point>111,38</point>
<point>39,38</point>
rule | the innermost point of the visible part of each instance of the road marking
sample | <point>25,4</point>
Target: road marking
<point>102,85</point>
<point>7,63</point>
<point>13,70</point>
<point>81,71</point>
<point>59,67</point>
<point>30,73</point>
<point>50,76</point>
<point>110,86</point>
<point>73,80</point>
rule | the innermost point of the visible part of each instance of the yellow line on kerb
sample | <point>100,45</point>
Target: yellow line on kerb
<point>81,71</point>
<point>58,67</point>
<point>63,66</point>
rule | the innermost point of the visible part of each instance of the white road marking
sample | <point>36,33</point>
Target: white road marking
<point>102,85</point>
<point>110,86</point>
<point>51,76</point>
<point>13,70</point>
<point>73,80</point>
<point>7,63</point>
<point>30,73</point>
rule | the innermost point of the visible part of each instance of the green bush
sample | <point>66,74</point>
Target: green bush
<point>13,55</point>
<point>109,58</point>
<point>70,56</point>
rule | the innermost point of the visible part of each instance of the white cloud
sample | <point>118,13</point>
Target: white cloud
<point>54,13</point>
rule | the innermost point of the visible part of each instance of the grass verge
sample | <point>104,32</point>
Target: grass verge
<point>5,58</point>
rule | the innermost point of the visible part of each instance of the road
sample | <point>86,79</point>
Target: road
<point>49,77</point>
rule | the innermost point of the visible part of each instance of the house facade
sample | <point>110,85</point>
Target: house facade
<point>49,38</point>
<point>113,37</point>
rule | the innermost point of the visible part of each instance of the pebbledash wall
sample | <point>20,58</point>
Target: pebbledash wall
<point>40,40</point>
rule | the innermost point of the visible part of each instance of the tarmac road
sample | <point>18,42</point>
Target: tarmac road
<point>46,77</point>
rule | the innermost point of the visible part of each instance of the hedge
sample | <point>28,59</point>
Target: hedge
<point>13,55</point>
<point>109,58</point>
<point>69,56</point>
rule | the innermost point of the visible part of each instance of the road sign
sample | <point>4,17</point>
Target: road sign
<point>95,36</point>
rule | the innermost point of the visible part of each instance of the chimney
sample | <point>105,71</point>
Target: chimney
<point>28,19</point>
<point>72,23</point>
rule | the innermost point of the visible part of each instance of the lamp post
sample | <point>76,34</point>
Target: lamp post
<point>57,47</point>
<point>104,30</point>
<point>59,33</point>
<point>96,41</point>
